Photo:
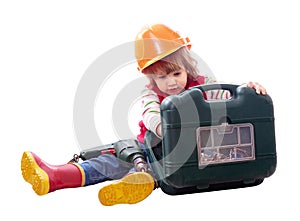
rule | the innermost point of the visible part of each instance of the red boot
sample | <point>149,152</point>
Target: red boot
<point>46,178</point>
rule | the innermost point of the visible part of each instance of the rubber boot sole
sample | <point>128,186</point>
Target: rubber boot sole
<point>34,175</point>
<point>131,189</point>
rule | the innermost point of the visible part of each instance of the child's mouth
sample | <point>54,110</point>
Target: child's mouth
<point>174,90</point>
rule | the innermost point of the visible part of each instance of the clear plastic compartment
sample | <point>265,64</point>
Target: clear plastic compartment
<point>225,143</point>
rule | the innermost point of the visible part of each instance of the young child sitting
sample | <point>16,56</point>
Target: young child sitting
<point>164,57</point>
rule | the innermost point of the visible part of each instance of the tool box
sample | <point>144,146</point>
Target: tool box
<point>213,144</point>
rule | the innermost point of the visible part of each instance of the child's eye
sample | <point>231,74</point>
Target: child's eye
<point>161,76</point>
<point>177,73</point>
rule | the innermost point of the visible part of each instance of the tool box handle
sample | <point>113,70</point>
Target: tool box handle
<point>229,87</point>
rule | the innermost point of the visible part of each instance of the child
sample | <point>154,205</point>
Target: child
<point>164,57</point>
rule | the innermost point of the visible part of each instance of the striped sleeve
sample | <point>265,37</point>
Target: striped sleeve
<point>150,110</point>
<point>216,94</point>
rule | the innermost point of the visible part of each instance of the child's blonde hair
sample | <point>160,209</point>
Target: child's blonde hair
<point>180,59</point>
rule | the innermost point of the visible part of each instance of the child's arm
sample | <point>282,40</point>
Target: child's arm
<point>215,94</point>
<point>151,111</point>
<point>224,94</point>
<point>158,130</point>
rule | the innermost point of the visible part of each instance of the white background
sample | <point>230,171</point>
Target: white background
<point>45,47</point>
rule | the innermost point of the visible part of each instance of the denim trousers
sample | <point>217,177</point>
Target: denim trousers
<point>106,167</point>
<point>102,168</point>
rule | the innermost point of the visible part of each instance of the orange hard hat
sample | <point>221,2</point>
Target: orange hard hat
<point>156,42</point>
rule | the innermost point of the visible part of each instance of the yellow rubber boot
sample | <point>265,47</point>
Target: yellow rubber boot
<point>131,189</point>
<point>46,178</point>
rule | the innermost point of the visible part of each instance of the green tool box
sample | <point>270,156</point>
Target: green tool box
<point>215,144</point>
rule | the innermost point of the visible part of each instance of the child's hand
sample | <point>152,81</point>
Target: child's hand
<point>158,130</point>
<point>258,88</point>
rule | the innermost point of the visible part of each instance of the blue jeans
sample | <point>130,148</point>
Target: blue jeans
<point>106,167</point>
<point>102,168</point>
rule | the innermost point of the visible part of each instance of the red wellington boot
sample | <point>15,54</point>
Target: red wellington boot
<point>46,178</point>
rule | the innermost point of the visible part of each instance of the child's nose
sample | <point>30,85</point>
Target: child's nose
<point>171,81</point>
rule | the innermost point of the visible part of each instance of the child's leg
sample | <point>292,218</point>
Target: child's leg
<point>132,188</point>
<point>102,168</point>
<point>46,178</point>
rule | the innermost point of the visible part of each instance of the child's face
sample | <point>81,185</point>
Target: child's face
<point>171,83</point>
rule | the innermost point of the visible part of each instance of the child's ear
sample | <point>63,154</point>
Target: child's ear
<point>151,82</point>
